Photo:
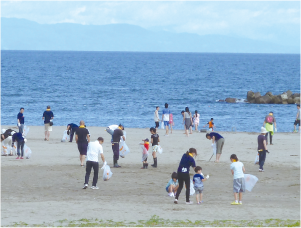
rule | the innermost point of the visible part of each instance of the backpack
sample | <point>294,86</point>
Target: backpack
<point>270,119</point>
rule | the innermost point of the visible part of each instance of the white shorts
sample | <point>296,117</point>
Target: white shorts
<point>48,127</point>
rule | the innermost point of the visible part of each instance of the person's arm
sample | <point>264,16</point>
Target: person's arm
<point>232,172</point>
<point>123,138</point>
<point>275,124</point>
<point>206,125</point>
<point>264,123</point>
<point>265,144</point>
<point>204,179</point>
<point>297,116</point>
<point>76,138</point>
<point>88,138</point>
<point>152,140</point>
<point>243,169</point>
<point>102,157</point>
<point>213,139</point>
<point>158,139</point>
<point>52,116</point>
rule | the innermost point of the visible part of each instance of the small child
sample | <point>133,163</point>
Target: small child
<point>155,142</point>
<point>211,125</point>
<point>198,180</point>
<point>172,185</point>
<point>145,147</point>
<point>237,170</point>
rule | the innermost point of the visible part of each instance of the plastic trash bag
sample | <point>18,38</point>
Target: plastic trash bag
<point>5,149</point>
<point>144,152</point>
<point>250,181</point>
<point>107,173</point>
<point>162,125</point>
<point>160,150</point>
<point>192,191</point>
<point>27,152</point>
<point>110,129</point>
<point>214,148</point>
<point>25,130</point>
<point>123,149</point>
<point>66,137</point>
<point>256,159</point>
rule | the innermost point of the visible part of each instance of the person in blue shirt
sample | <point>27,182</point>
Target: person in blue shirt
<point>183,173</point>
<point>198,180</point>
<point>20,118</point>
<point>219,140</point>
<point>71,128</point>
<point>172,185</point>
<point>47,117</point>
<point>17,137</point>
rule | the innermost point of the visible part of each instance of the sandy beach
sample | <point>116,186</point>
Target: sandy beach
<point>48,186</point>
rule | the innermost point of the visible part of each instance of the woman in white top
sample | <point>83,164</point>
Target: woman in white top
<point>196,117</point>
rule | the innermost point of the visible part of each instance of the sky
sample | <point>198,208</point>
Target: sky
<point>272,21</point>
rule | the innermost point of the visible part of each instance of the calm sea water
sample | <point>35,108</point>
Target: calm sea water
<point>105,88</point>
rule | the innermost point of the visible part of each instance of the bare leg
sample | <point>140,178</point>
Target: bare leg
<point>217,157</point>
<point>167,130</point>
<point>240,196</point>
<point>190,129</point>
<point>197,197</point>
<point>48,135</point>
<point>201,197</point>
<point>45,135</point>
<point>235,196</point>
<point>170,128</point>
<point>154,155</point>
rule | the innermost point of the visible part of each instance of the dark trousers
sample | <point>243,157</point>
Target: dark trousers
<point>271,137</point>
<point>262,155</point>
<point>89,165</point>
<point>71,134</point>
<point>183,177</point>
<point>20,145</point>
<point>115,148</point>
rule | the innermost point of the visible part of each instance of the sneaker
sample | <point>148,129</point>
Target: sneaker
<point>21,158</point>
<point>171,194</point>
<point>175,201</point>
<point>18,157</point>
<point>234,203</point>
<point>95,187</point>
<point>190,202</point>
<point>240,202</point>
<point>85,186</point>
<point>260,170</point>
<point>295,131</point>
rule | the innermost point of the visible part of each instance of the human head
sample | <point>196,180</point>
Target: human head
<point>157,107</point>
<point>233,157</point>
<point>198,169</point>
<point>192,151</point>
<point>211,119</point>
<point>174,175</point>
<point>82,123</point>
<point>186,109</point>
<point>271,113</point>
<point>196,111</point>
<point>48,107</point>
<point>208,136</point>
<point>121,126</point>
<point>146,140</point>
<point>100,140</point>
<point>152,130</point>
<point>298,106</point>
<point>166,105</point>
<point>21,110</point>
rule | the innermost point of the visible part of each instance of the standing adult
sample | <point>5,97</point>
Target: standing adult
<point>196,117</point>
<point>94,149</point>
<point>187,120</point>
<point>17,137</point>
<point>20,118</point>
<point>156,117</point>
<point>82,139</point>
<point>183,173</point>
<point>115,144</point>
<point>262,148</point>
<point>297,121</point>
<point>47,117</point>
<point>268,123</point>
<point>219,140</point>
<point>71,128</point>
<point>165,118</point>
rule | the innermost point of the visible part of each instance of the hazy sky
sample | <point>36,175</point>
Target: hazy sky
<point>277,22</point>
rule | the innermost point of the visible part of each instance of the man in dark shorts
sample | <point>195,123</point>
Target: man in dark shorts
<point>82,139</point>
<point>71,130</point>
<point>20,118</point>
<point>219,140</point>
<point>297,121</point>
<point>115,144</point>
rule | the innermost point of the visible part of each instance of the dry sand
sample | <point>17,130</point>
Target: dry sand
<point>48,186</point>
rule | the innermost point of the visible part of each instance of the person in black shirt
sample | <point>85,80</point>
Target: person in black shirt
<point>71,130</point>
<point>82,139</point>
<point>115,144</point>
<point>20,144</point>
<point>47,117</point>
<point>154,140</point>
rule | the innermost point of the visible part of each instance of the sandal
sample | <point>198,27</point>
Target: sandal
<point>10,155</point>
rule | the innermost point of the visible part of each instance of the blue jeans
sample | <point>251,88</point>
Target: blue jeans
<point>20,145</point>
<point>262,155</point>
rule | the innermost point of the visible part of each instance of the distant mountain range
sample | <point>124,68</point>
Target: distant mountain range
<point>21,34</point>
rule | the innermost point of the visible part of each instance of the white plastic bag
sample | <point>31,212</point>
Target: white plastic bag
<point>107,173</point>
<point>27,152</point>
<point>192,191</point>
<point>250,181</point>
<point>123,149</point>
<point>66,137</point>
<point>110,129</point>
<point>5,149</point>
<point>160,150</point>
<point>214,148</point>
<point>162,125</point>
<point>25,130</point>
<point>256,159</point>
<point>144,153</point>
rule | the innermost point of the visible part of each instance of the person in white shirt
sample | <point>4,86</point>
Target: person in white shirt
<point>237,170</point>
<point>156,117</point>
<point>94,148</point>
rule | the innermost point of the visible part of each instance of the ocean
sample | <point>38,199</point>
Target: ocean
<point>104,88</point>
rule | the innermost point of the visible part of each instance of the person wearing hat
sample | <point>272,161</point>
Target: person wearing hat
<point>115,144</point>
<point>145,147</point>
<point>268,123</point>
<point>262,148</point>
<point>297,121</point>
